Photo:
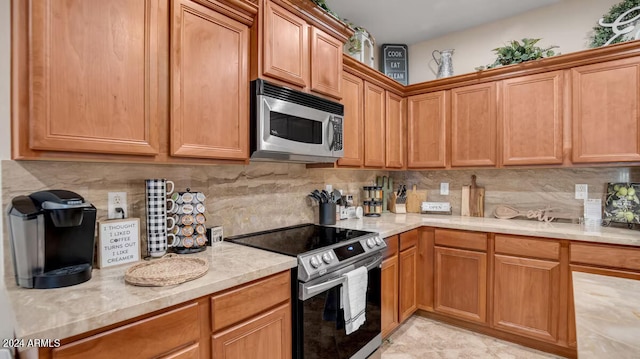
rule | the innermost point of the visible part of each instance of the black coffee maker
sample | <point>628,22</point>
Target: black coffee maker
<point>52,239</point>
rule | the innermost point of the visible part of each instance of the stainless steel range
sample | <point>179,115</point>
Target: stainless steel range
<point>324,255</point>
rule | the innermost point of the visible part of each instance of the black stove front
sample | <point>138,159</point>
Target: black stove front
<point>318,325</point>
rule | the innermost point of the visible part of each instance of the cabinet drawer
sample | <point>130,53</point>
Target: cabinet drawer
<point>605,256</point>
<point>151,337</point>
<point>461,239</point>
<point>246,301</point>
<point>408,239</point>
<point>528,247</point>
<point>392,246</point>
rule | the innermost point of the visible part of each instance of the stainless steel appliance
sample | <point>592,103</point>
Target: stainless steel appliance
<point>293,126</point>
<point>324,255</point>
<point>52,238</point>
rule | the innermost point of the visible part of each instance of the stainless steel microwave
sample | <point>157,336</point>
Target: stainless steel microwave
<point>293,126</point>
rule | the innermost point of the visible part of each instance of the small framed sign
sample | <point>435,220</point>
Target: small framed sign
<point>118,242</point>
<point>395,62</point>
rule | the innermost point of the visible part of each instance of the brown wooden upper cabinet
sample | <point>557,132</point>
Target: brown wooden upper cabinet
<point>296,52</point>
<point>209,87</point>
<point>531,118</point>
<point>427,130</point>
<point>93,76</point>
<point>132,80</point>
<point>474,125</point>
<point>374,125</point>
<point>353,121</point>
<point>395,130</point>
<point>606,100</point>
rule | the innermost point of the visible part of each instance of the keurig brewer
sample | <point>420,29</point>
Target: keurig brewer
<point>52,239</point>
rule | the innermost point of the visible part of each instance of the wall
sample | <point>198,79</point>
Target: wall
<point>6,319</point>
<point>242,199</point>
<point>567,24</point>
<point>522,188</point>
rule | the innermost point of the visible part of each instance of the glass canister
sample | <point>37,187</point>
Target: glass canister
<point>372,208</point>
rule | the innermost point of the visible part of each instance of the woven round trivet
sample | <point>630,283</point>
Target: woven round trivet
<point>168,270</point>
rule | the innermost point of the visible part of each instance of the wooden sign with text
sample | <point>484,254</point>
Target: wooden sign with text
<point>118,242</point>
<point>395,62</point>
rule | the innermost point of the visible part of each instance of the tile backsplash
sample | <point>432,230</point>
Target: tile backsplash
<point>521,188</point>
<point>260,196</point>
<point>241,198</point>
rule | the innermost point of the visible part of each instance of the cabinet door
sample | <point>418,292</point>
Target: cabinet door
<point>408,294</point>
<point>606,100</point>
<point>94,76</point>
<point>461,284</point>
<point>389,285</point>
<point>209,87</point>
<point>395,131</point>
<point>286,46</point>
<point>374,137</point>
<point>353,137</point>
<point>145,338</point>
<point>473,125</point>
<point>326,64</point>
<point>265,336</point>
<point>190,352</point>
<point>427,130</point>
<point>532,119</point>
<point>526,297</point>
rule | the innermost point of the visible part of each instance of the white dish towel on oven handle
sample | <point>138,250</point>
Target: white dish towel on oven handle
<point>354,298</point>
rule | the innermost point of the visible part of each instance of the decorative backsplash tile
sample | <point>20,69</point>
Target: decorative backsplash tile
<point>262,196</point>
<point>242,199</point>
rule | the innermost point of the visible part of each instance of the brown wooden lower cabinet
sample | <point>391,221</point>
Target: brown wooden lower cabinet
<point>526,296</point>
<point>389,289</point>
<point>188,331</point>
<point>266,336</point>
<point>460,283</point>
<point>408,271</point>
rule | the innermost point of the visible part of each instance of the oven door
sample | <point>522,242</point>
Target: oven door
<point>320,320</point>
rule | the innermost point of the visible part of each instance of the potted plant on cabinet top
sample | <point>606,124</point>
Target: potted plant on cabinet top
<point>516,52</point>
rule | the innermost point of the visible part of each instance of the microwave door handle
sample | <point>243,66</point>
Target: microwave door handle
<point>330,133</point>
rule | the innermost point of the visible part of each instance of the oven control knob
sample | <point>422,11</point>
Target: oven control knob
<point>315,263</point>
<point>326,258</point>
<point>378,241</point>
<point>371,243</point>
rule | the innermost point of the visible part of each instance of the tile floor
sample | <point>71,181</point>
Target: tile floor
<point>423,338</point>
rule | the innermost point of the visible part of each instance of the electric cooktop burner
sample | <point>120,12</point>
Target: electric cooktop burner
<point>319,249</point>
<point>299,239</point>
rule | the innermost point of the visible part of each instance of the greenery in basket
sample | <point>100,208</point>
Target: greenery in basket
<point>354,44</point>
<point>516,52</point>
<point>602,34</point>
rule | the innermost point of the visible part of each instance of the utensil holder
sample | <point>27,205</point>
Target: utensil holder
<point>327,213</point>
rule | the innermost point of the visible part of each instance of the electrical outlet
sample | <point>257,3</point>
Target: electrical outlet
<point>582,191</point>
<point>444,188</point>
<point>117,200</point>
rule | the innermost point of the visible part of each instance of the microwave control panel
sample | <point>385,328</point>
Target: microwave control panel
<point>337,133</point>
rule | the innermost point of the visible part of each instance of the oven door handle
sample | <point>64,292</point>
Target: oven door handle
<point>308,292</point>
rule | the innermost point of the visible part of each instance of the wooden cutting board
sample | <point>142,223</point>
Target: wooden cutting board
<point>476,199</point>
<point>415,199</point>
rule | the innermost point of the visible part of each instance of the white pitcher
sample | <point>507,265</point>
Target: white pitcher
<point>445,65</point>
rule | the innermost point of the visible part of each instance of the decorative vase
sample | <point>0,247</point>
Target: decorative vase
<point>445,65</point>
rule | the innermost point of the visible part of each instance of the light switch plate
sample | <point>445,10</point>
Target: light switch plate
<point>444,188</point>
<point>582,191</point>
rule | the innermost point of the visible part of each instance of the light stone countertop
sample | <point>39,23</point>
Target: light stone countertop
<point>607,316</point>
<point>391,224</point>
<point>106,299</point>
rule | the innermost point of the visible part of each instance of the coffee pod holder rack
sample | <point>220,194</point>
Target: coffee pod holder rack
<point>195,241</point>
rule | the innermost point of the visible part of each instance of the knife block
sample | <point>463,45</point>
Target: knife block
<point>396,207</point>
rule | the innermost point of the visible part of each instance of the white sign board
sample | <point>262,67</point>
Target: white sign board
<point>118,242</point>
